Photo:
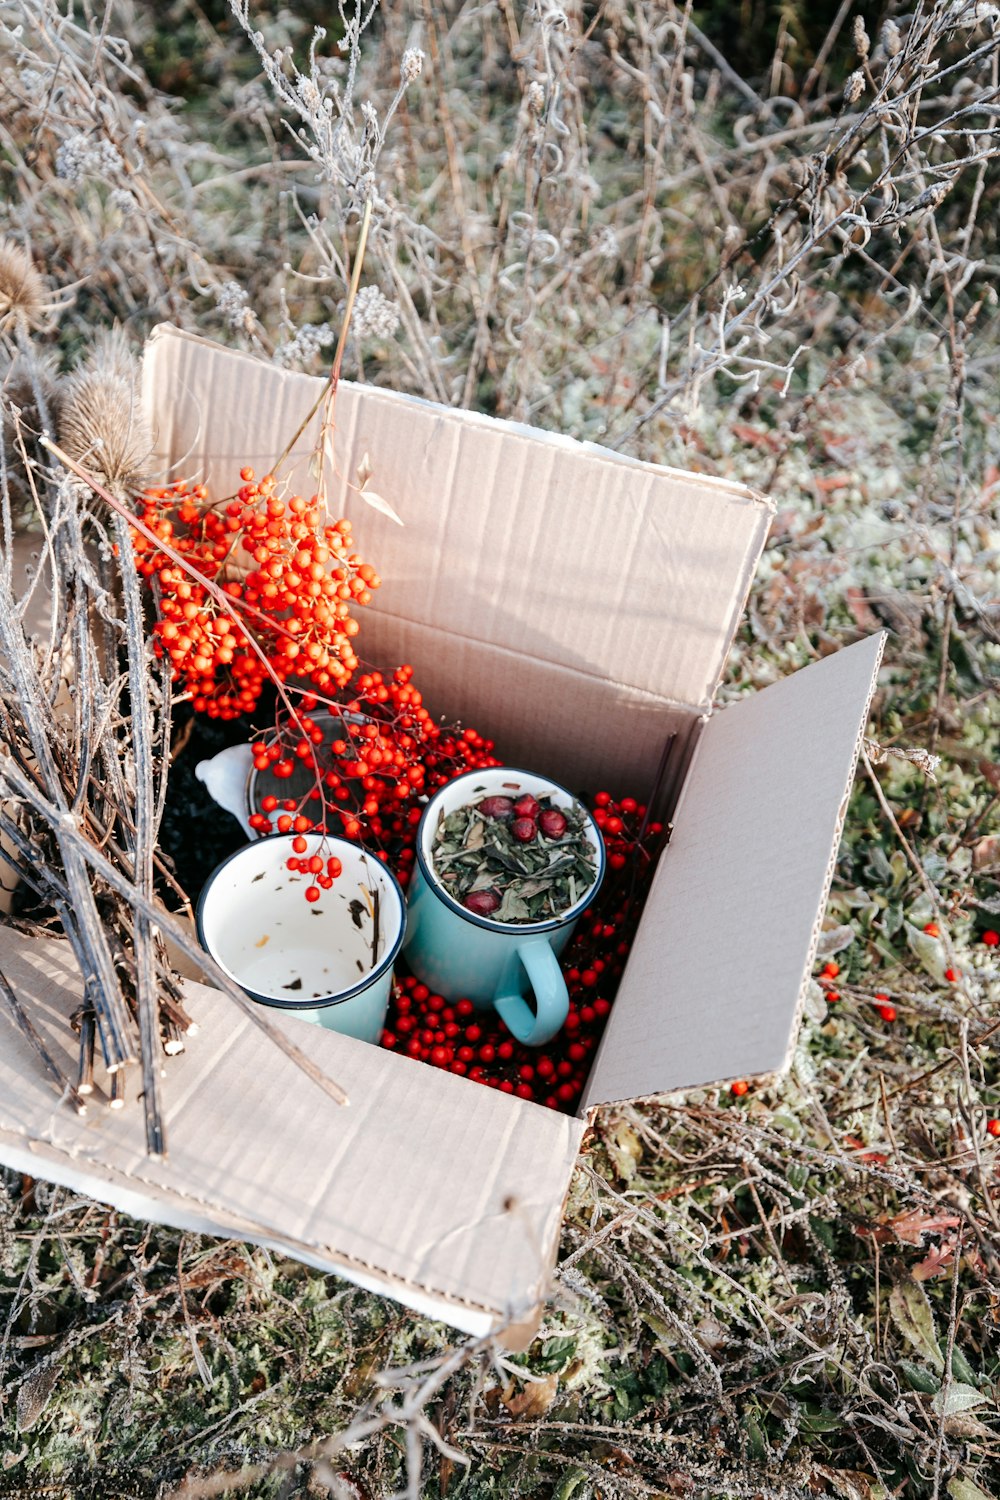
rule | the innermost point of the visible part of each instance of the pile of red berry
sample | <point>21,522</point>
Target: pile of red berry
<point>260,572</point>
<point>476,1044</point>
<point>362,767</point>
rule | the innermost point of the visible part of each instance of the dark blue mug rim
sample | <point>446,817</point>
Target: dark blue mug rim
<point>552,924</point>
<point>324,1002</point>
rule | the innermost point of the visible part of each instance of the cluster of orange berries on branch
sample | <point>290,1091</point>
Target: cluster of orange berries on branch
<point>360,765</point>
<point>261,572</point>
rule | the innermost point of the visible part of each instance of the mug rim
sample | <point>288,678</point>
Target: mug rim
<point>551,924</point>
<point>322,1002</point>
<point>253,775</point>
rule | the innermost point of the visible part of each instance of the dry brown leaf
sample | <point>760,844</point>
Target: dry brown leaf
<point>864,616</point>
<point>33,1396</point>
<point>534,1400</point>
<point>911,1227</point>
<point>991,770</point>
<point>986,852</point>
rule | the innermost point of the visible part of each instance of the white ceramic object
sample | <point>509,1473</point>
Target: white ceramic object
<point>225,776</point>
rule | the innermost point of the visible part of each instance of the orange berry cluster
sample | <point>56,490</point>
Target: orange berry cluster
<point>365,764</point>
<point>276,576</point>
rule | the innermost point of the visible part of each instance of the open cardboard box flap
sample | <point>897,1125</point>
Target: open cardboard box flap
<point>716,976</point>
<point>580,606</point>
<point>442,1193</point>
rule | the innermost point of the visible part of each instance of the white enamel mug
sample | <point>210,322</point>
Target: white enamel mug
<point>330,961</point>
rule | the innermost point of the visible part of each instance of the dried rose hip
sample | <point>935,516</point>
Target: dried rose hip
<point>483,903</point>
<point>527,806</point>
<point>496,807</point>
<point>524,829</point>
<point>552,823</point>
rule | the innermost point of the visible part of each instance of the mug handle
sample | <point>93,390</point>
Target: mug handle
<point>535,1027</point>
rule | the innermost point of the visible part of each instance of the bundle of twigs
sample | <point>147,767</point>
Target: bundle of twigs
<point>85,712</point>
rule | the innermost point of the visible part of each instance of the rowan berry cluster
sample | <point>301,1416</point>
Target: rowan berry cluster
<point>359,766</point>
<point>261,571</point>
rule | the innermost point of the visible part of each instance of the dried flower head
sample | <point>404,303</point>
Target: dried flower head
<point>233,302</point>
<point>375,317</point>
<point>854,87</point>
<point>412,64</point>
<point>80,156</point>
<point>891,39</point>
<point>535,97</point>
<point>101,425</point>
<point>22,290</point>
<point>862,42</point>
<point>305,346</point>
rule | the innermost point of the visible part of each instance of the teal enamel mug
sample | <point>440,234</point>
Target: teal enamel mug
<point>328,960</point>
<point>461,954</point>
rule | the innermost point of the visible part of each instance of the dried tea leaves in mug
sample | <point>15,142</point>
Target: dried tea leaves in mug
<point>515,859</point>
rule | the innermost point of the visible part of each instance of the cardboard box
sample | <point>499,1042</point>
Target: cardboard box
<point>580,607</point>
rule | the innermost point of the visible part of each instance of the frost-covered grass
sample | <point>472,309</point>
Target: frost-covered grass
<point>583,221</point>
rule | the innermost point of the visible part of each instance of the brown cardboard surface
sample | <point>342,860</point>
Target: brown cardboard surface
<point>580,606</point>
<point>523,552</point>
<point>444,1194</point>
<point>727,941</point>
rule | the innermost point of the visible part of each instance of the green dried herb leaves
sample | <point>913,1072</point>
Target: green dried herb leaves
<point>497,872</point>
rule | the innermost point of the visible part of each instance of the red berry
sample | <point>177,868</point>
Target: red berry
<point>993,1127</point>
<point>739,1088</point>
<point>496,807</point>
<point>527,806</point>
<point>524,829</point>
<point>312,892</point>
<point>951,976</point>
<point>991,939</point>
<point>887,1012</point>
<point>552,823</point>
<point>932,929</point>
<point>483,903</point>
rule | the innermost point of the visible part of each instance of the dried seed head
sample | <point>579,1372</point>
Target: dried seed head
<point>854,87</point>
<point>891,39</point>
<point>375,317</point>
<point>412,64</point>
<point>535,96</point>
<point>29,385</point>
<point>862,43</point>
<point>101,425</point>
<point>22,290</point>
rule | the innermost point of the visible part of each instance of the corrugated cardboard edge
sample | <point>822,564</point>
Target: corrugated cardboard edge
<point>834,852</point>
<point>593,450</point>
<point>44,1139</point>
<point>37,1159</point>
<point>773,1074</point>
